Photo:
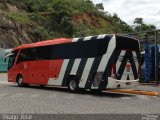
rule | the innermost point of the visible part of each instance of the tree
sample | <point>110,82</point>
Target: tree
<point>61,20</point>
<point>100,6</point>
<point>89,1</point>
<point>138,21</point>
<point>4,2</point>
<point>141,26</point>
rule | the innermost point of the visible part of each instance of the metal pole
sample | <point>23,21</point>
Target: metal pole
<point>156,58</point>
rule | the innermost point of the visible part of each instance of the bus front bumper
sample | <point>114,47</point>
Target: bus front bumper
<point>118,84</point>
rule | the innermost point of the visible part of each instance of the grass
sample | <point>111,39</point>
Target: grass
<point>22,17</point>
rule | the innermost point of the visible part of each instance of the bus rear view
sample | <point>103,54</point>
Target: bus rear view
<point>125,66</point>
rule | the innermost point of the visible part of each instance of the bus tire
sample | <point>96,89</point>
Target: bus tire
<point>20,81</point>
<point>73,84</point>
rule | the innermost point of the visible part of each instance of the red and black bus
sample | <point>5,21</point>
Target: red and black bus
<point>93,62</point>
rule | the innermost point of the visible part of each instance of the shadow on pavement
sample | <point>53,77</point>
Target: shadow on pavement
<point>80,92</point>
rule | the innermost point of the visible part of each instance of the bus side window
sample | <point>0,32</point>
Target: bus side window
<point>23,56</point>
<point>41,53</point>
<point>12,59</point>
<point>85,49</point>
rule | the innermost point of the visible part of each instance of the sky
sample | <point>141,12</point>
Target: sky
<point>128,10</point>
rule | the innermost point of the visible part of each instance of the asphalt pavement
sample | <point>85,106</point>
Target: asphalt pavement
<point>53,100</point>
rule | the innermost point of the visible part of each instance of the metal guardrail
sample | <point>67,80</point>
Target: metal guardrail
<point>155,39</point>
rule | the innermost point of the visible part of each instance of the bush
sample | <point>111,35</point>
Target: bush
<point>19,17</point>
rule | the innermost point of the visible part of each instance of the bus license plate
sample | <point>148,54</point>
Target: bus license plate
<point>128,83</point>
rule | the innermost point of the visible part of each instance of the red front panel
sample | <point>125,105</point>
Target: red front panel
<point>37,72</point>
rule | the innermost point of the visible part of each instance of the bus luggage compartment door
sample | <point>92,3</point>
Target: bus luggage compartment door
<point>97,79</point>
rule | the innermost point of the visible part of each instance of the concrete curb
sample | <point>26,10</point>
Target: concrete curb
<point>139,92</point>
<point>153,84</point>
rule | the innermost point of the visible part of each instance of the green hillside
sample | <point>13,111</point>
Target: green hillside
<point>46,19</point>
<point>66,18</point>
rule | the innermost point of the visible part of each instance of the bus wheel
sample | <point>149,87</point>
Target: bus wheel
<point>20,81</point>
<point>73,84</point>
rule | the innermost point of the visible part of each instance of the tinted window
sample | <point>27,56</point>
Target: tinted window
<point>127,43</point>
<point>41,53</point>
<point>12,59</point>
<point>85,49</point>
<point>38,53</point>
<point>24,55</point>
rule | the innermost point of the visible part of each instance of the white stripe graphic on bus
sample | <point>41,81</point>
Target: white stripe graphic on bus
<point>106,57</point>
<point>126,74</point>
<point>135,59</point>
<point>87,38</point>
<point>75,39</point>
<point>75,66</point>
<point>53,81</point>
<point>101,36</point>
<point>120,58</point>
<point>86,72</point>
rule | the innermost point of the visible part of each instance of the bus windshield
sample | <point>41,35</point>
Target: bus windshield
<point>12,58</point>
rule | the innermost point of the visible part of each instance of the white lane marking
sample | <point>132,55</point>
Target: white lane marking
<point>85,73</point>
<point>75,66</point>
<point>53,81</point>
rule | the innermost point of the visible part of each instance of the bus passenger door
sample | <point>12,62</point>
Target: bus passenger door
<point>12,67</point>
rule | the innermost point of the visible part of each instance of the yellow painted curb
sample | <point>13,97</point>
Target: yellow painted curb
<point>139,92</point>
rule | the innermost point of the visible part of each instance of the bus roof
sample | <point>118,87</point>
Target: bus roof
<point>55,41</point>
<point>45,43</point>
<point>66,40</point>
